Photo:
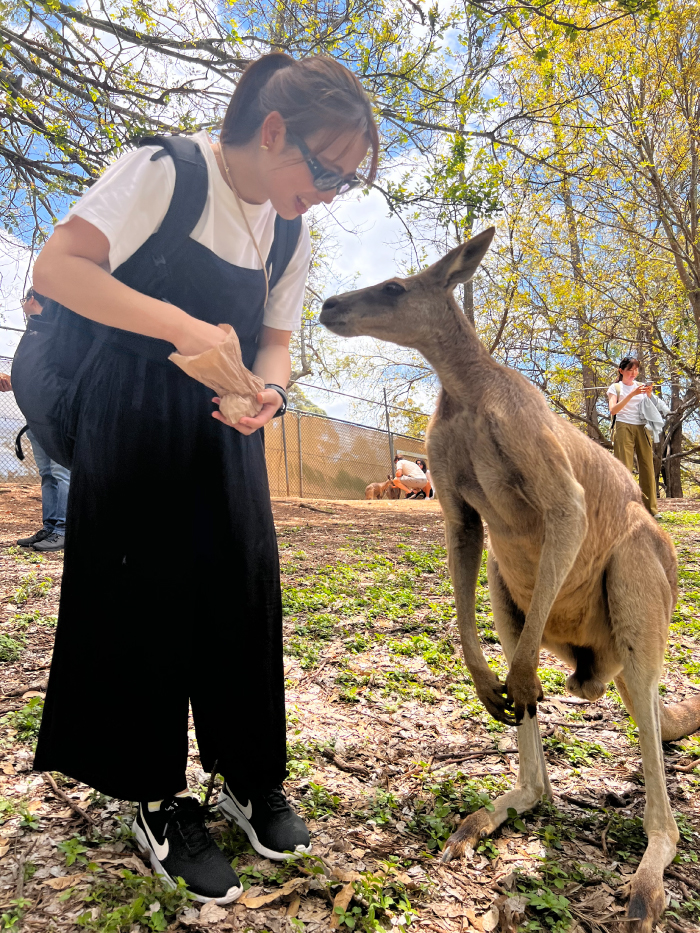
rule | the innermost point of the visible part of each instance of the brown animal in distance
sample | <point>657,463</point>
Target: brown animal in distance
<point>576,564</point>
<point>380,490</point>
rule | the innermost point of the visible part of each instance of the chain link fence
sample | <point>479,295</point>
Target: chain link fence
<point>12,421</point>
<point>308,455</point>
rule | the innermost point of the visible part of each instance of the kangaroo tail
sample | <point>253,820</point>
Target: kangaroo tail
<point>680,719</point>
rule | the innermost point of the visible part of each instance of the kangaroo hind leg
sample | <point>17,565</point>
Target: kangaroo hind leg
<point>533,782</point>
<point>640,602</point>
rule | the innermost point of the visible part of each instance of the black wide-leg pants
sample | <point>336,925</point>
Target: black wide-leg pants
<point>170,592</point>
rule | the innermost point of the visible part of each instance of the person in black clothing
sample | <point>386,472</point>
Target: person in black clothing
<point>181,604</point>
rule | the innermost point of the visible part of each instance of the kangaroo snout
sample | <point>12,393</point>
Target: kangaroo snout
<point>332,315</point>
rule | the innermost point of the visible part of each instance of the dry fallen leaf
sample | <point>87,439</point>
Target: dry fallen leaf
<point>33,693</point>
<point>66,881</point>
<point>34,805</point>
<point>294,905</point>
<point>134,862</point>
<point>342,899</point>
<point>212,913</point>
<point>4,850</point>
<point>345,876</point>
<point>8,767</point>
<point>252,903</point>
<point>490,920</point>
<point>448,910</point>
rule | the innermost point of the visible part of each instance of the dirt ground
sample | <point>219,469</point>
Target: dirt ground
<point>388,748</point>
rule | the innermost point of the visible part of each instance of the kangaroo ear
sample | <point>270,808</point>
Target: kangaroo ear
<point>462,262</point>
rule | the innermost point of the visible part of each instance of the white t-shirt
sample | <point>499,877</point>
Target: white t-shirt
<point>630,413</point>
<point>131,199</point>
<point>408,468</point>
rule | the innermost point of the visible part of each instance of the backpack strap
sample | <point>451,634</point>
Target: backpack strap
<point>19,453</point>
<point>148,264</point>
<point>282,249</point>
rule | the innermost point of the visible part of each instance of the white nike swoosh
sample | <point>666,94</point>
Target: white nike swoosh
<point>161,851</point>
<point>247,811</point>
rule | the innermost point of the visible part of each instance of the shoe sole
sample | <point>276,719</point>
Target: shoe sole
<point>231,895</point>
<point>231,812</point>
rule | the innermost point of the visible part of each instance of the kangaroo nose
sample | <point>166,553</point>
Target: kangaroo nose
<point>329,303</point>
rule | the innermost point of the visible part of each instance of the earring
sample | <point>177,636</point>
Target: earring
<point>263,146</point>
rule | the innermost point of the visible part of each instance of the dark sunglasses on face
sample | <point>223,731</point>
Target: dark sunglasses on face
<point>324,179</point>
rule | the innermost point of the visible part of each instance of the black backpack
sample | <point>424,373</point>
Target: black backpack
<point>58,345</point>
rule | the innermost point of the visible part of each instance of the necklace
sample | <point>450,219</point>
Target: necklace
<point>245,219</point>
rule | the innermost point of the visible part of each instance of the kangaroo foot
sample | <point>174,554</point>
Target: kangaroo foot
<point>473,828</point>
<point>647,901</point>
<point>588,689</point>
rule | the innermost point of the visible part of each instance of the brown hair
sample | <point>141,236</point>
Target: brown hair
<point>627,362</point>
<point>311,95</point>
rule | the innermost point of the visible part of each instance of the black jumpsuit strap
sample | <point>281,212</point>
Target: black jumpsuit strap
<point>149,263</point>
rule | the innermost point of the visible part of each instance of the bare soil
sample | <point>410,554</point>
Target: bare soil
<point>388,749</point>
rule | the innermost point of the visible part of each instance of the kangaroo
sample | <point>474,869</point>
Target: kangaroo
<point>380,490</point>
<point>575,565</point>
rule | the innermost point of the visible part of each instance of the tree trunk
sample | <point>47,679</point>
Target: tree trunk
<point>674,445</point>
<point>468,301</point>
<point>588,376</point>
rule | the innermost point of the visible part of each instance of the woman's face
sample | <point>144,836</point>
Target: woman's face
<point>287,177</point>
<point>629,375</point>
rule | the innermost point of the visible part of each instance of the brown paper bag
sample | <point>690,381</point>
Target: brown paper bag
<point>222,369</point>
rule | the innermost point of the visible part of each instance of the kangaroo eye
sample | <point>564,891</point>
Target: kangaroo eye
<point>393,289</point>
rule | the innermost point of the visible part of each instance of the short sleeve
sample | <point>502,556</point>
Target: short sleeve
<point>129,201</point>
<point>284,306</point>
<point>612,391</point>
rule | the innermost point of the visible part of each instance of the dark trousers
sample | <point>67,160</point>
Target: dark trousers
<point>170,592</point>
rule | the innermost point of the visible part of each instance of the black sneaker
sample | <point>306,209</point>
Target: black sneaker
<point>180,845</point>
<point>272,827</point>
<point>32,539</point>
<point>52,542</point>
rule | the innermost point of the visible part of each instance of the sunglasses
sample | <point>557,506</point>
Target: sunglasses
<point>324,179</point>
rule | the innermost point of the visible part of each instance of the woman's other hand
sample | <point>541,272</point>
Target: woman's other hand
<point>271,402</point>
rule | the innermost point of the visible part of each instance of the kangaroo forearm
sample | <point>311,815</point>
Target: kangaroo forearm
<point>565,530</point>
<point>464,549</point>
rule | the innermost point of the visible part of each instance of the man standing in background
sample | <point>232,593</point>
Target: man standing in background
<point>55,479</point>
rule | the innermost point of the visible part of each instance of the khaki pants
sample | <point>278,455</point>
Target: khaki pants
<point>627,439</point>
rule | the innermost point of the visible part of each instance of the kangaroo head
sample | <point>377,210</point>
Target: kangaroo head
<point>407,311</point>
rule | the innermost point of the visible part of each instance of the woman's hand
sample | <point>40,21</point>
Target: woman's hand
<point>197,336</point>
<point>271,402</point>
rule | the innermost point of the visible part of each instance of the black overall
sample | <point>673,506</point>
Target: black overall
<point>171,588</point>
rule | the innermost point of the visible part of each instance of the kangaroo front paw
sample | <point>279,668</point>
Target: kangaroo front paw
<point>492,693</point>
<point>524,692</point>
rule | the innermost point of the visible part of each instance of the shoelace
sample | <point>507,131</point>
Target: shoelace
<point>276,800</point>
<point>189,820</point>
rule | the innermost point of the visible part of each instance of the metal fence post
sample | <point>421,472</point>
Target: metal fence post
<point>284,448</point>
<point>388,431</point>
<point>301,463</point>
